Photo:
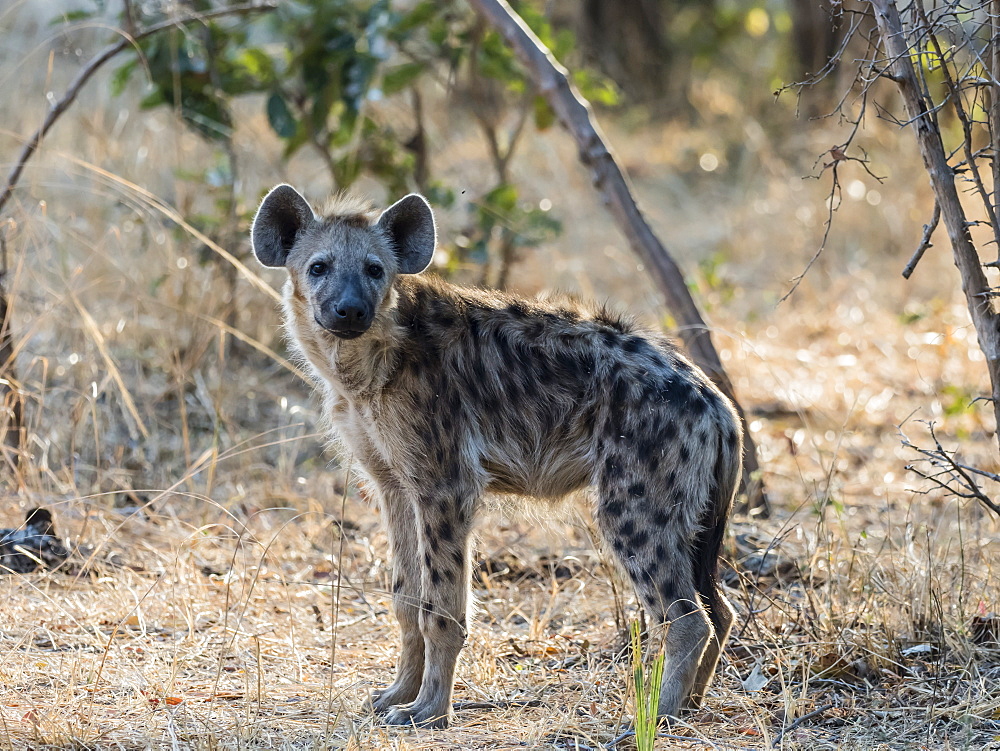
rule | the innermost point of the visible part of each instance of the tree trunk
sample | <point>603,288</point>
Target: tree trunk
<point>609,180</point>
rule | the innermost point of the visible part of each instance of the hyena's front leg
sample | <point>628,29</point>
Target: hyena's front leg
<point>401,522</point>
<point>444,525</point>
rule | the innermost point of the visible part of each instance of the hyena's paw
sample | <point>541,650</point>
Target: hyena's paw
<point>424,716</point>
<point>383,700</point>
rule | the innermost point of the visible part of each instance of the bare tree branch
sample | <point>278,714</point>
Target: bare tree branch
<point>88,70</point>
<point>925,241</point>
<point>958,476</point>
<point>574,113</point>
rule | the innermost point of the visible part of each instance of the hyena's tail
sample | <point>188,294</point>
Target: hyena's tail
<point>708,543</point>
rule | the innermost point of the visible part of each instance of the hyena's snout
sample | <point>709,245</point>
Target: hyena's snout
<point>347,314</point>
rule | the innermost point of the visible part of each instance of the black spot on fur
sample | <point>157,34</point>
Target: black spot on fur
<point>619,390</point>
<point>435,577</point>
<point>637,490</point>
<point>661,518</point>
<point>670,480</point>
<point>613,508</point>
<point>428,559</point>
<point>634,345</point>
<point>445,530</point>
<point>668,592</point>
<point>442,622</point>
<point>640,538</point>
<point>458,556</point>
<point>684,454</point>
<point>612,469</point>
<point>397,586</point>
<point>628,528</point>
<point>669,431</point>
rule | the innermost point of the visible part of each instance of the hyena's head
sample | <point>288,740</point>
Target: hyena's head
<point>342,266</point>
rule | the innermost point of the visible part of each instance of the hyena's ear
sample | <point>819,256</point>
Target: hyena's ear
<point>409,225</point>
<point>281,217</point>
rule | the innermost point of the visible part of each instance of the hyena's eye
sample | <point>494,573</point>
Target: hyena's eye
<point>375,271</point>
<point>317,269</point>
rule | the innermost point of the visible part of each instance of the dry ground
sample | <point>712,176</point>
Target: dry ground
<point>234,586</point>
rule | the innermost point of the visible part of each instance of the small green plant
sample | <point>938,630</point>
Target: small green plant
<point>647,692</point>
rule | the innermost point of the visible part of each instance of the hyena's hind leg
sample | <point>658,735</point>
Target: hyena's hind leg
<point>722,616</point>
<point>647,541</point>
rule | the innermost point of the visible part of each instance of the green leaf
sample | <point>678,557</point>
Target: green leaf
<point>257,64</point>
<point>595,88</point>
<point>280,117</point>
<point>544,115</point>
<point>400,77</point>
<point>502,199</point>
<point>121,77</point>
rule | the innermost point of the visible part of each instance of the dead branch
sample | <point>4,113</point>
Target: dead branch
<point>552,81</point>
<point>88,70</point>
<point>803,719</point>
<point>925,241</point>
<point>949,474</point>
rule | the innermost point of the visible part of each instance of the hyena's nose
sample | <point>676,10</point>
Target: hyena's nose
<point>352,312</point>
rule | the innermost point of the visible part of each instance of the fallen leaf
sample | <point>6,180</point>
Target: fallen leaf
<point>756,680</point>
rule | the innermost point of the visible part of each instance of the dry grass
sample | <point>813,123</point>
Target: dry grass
<point>223,607</point>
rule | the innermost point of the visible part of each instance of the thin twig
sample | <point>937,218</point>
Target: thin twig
<point>925,241</point>
<point>799,721</point>
<point>458,706</point>
<point>88,70</point>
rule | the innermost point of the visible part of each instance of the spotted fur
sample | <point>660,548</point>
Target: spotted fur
<point>443,394</point>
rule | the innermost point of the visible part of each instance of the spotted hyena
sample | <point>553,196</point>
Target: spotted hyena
<point>443,393</point>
